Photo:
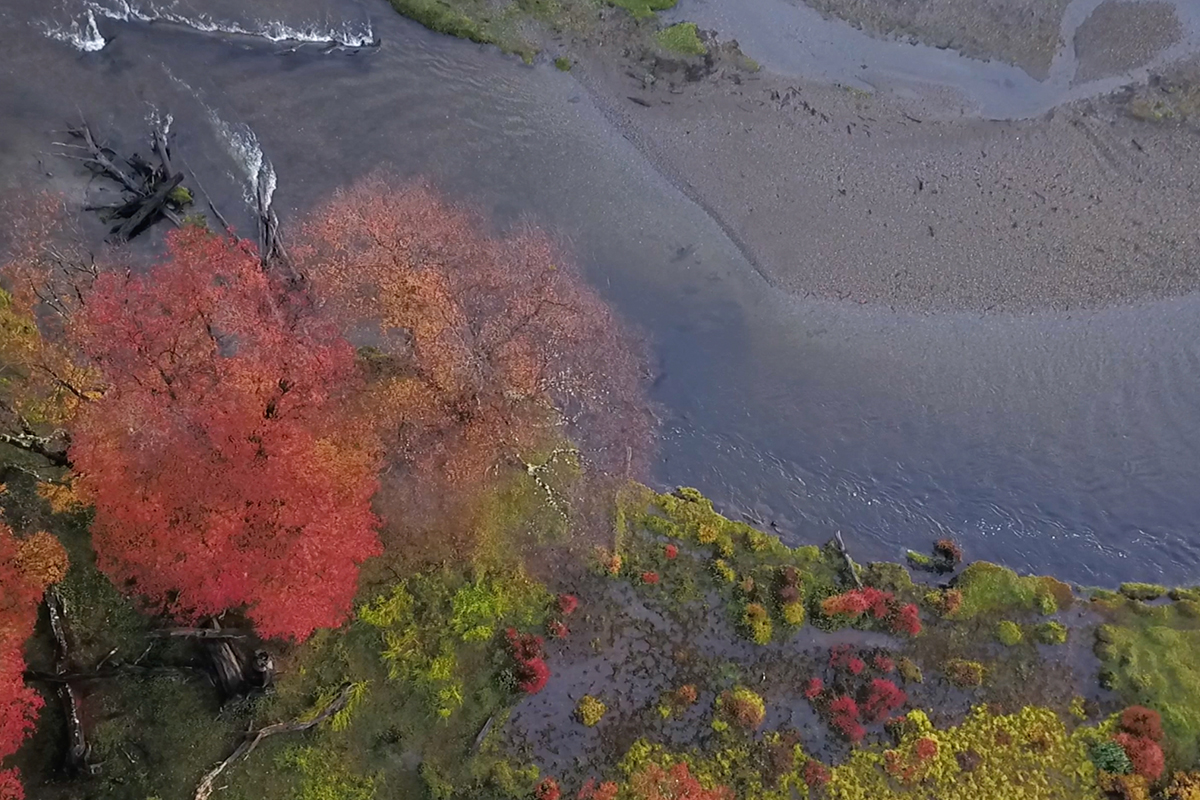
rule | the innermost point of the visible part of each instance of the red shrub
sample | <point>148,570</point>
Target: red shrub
<point>670,551</point>
<point>816,774</point>
<point>857,602</point>
<point>532,675</point>
<point>883,697</point>
<point>529,666</point>
<point>907,620</point>
<point>1142,721</point>
<point>814,688</point>
<point>547,789</point>
<point>844,713</point>
<point>883,663</point>
<point>1144,753</point>
<point>567,603</point>
<point>605,791</point>
<point>840,655</point>
<point>856,665</point>
<point>949,550</point>
<point>652,782</point>
<point>524,646</point>
<point>650,577</point>
<point>685,695</point>
<point>557,629</point>
<point>926,748</point>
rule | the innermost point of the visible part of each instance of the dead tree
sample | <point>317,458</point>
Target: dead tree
<point>78,750</point>
<point>148,191</point>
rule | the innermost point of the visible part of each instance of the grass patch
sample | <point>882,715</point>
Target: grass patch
<point>682,39</point>
<point>1148,654</point>
<point>476,20</point>
<point>989,588</point>
<point>644,9</point>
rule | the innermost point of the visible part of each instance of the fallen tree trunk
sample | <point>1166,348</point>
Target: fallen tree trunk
<point>146,209</point>
<point>202,633</point>
<point>205,789</point>
<point>78,749</point>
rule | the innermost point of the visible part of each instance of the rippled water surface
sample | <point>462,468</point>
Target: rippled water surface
<point>1050,442</point>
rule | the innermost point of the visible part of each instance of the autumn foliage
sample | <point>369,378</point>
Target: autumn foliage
<point>652,782</point>
<point>27,566</point>
<point>483,351</point>
<point>224,467</point>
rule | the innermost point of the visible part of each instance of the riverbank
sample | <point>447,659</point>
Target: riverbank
<point>557,665</point>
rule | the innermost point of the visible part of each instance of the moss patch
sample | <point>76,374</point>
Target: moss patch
<point>682,39</point>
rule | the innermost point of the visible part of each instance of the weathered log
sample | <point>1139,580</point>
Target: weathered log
<point>78,750</point>
<point>205,789</point>
<point>202,633</point>
<point>147,209</point>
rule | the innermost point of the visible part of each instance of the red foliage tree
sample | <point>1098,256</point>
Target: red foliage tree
<point>1142,721</point>
<point>488,351</point>
<point>652,782</point>
<point>225,468</point>
<point>1144,753</point>
<point>26,567</point>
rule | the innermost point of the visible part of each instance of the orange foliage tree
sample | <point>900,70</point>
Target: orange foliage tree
<point>224,466</point>
<point>484,351</point>
<point>27,567</point>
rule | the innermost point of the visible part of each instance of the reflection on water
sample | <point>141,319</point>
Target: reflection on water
<point>1048,442</point>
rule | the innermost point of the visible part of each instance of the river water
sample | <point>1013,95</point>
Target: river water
<point>1050,442</point>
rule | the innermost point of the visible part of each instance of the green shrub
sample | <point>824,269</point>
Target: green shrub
<point>590,710</point>
<point>910,671</point>
<point>1051,633</point>
<point>757,623</point>
<point>793,613</point>
<point>963,673</point>
<point>563,63</point>
<point>1110,757</point>
<point>1142,591</point>
<point>1009,633</point>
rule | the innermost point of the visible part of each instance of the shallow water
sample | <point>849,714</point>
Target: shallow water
<point>791,38</point>
<point>1068,444</point>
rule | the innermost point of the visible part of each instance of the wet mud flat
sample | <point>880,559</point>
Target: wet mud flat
<point>836,193</point>
<point>665,639</point>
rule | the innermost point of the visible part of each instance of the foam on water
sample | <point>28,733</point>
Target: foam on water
<point>85,37</point>
<point>345,35</point>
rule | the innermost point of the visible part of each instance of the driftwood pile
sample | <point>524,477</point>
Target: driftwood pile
<point>148,191</point>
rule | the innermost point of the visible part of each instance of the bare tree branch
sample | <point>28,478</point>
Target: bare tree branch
<point>205,789</point>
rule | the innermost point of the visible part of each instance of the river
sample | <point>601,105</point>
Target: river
<point>1063,443</point>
